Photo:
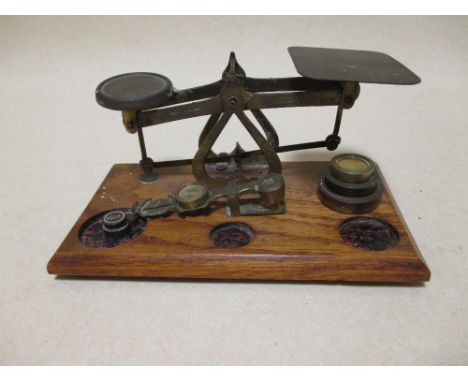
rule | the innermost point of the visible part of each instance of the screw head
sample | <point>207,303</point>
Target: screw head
<point>332,142</point>
<point>233,101</point>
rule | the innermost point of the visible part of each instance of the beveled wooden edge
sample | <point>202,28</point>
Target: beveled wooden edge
<point>403,222</point>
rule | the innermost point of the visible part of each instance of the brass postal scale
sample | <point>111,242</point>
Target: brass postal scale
<point>245,214</point>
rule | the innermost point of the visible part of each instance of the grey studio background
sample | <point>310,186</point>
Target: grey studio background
<point>57,144</point>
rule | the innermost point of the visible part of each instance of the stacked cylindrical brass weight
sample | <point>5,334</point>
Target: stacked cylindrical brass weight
<point>351,185</point>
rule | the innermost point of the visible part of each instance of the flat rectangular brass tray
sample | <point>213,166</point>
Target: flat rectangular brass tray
<point>350,65</point>
<point>303,244</point>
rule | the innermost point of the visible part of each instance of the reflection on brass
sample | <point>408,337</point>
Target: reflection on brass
<point>352,168</point>
<point>129,121</point>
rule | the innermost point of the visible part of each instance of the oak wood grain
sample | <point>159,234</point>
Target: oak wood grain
<point>302,244</point>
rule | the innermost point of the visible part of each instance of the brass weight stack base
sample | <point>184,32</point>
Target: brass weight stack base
<point>351,185</point>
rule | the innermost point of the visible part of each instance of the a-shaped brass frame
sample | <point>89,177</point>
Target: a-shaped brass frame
<point>232,95</point>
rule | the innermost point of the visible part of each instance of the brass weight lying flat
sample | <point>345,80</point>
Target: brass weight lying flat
<point>194,198</point>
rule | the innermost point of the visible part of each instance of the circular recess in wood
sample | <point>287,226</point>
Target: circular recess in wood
<point>111,228</point>
<point>369,233</point>
<point>232,235</point>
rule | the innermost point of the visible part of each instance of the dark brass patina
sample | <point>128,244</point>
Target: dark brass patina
<point>329,77</point>
<point>194,198</point>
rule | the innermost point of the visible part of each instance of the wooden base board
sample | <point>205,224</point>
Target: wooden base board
<point>303,244</point>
